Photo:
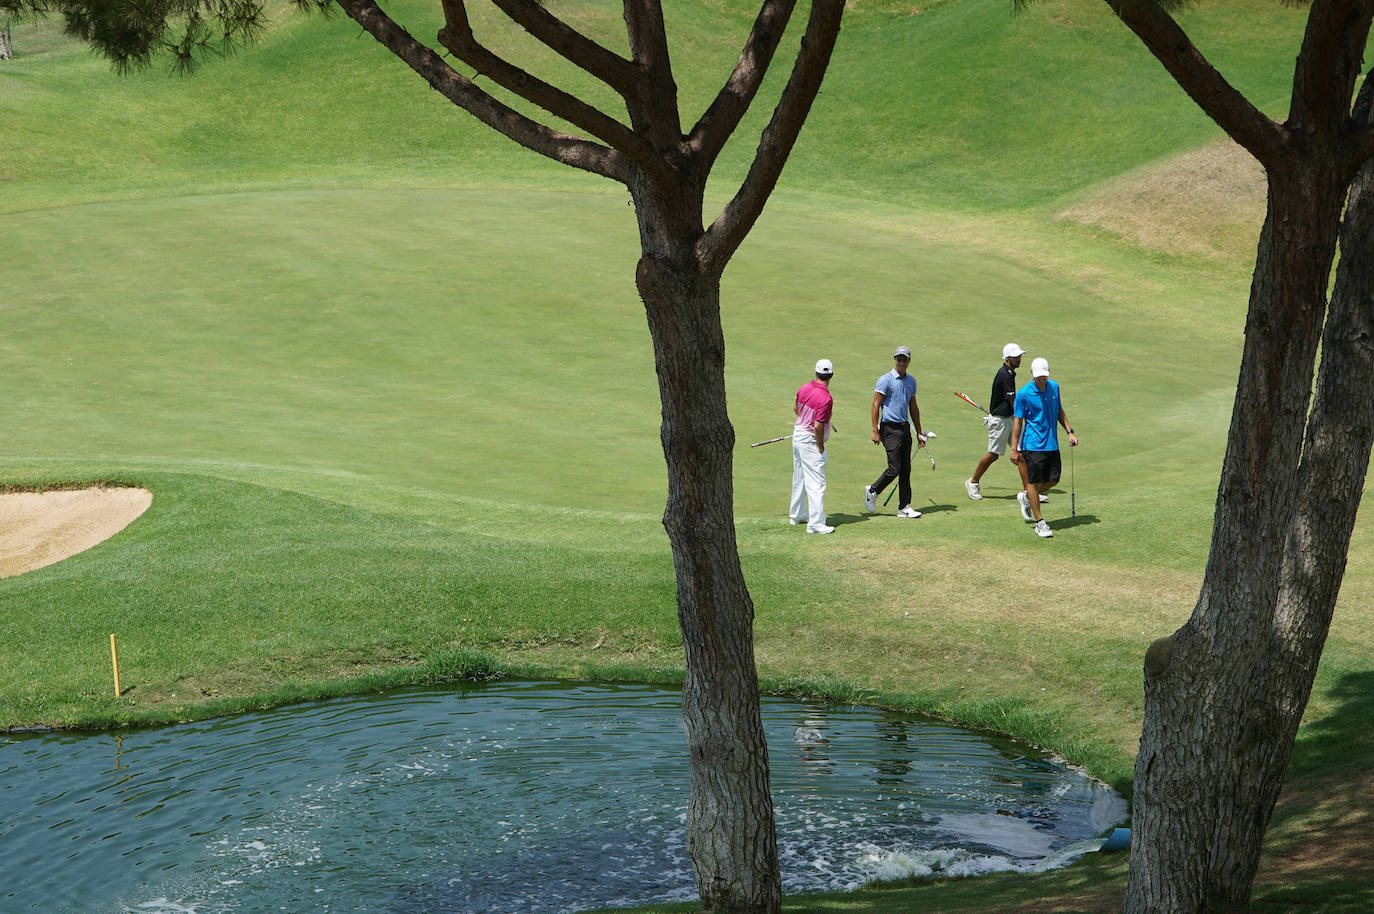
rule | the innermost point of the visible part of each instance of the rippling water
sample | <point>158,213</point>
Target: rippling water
<point>510,797</point>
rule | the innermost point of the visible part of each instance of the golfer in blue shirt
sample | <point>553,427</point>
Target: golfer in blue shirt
<point>894,399</point>
<point>1035,440</point>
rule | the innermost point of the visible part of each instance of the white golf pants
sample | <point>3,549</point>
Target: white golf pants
<point>808,479</point>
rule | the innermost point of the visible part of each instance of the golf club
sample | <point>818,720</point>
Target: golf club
<point>784,438</point>
<point>969,402</point>
<point>929,435</point>
<point>1073,488</point>
<point>893,490</point>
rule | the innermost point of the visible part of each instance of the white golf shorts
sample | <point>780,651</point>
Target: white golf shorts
<point>999,433</point>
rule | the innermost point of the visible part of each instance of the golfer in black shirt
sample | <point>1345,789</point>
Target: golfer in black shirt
<point>999,422</point>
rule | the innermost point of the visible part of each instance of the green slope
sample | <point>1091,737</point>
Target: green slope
<point>966,105</point>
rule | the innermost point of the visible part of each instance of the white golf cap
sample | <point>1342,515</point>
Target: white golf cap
<point>824,367</point>
<point>902,351</point>
<point>1011,351</point>
<point>1040,368</point>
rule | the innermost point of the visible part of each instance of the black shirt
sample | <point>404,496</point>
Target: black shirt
<point>1003,391</point>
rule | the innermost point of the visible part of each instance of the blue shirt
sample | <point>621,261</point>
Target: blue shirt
<point>897,393</point>
<point>1040,409</point>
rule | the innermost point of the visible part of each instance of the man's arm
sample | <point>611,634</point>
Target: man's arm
<point>877,409</point>
<point>915,413</point>
<point>1064,421</point>
<point>818,429</point>
<point>1018,425</point>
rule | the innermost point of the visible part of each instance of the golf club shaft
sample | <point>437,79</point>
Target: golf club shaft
<point>969,402</point>
<point>1073,486</point>
<point>926,444</point>
<point>893,490</point>
<point>784,438</point>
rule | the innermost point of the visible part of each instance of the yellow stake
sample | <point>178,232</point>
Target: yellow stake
<point>114,659</point>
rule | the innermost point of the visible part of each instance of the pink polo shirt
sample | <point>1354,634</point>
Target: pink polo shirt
<point>814,404</point>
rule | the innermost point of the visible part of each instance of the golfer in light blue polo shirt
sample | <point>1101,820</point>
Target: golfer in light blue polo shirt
<point>894,400</point>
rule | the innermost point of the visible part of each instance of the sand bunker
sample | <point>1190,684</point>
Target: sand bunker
<point>40,528</point>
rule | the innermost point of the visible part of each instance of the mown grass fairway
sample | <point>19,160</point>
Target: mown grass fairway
<point>391,386</point>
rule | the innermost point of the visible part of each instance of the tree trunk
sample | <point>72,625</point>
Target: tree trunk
<point>730,832</point>
<point>1212,703</point>
<point>1330,482</point>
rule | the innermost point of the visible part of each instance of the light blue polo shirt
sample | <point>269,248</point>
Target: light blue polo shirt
<point>1040,409</point>
<point>897,393</point>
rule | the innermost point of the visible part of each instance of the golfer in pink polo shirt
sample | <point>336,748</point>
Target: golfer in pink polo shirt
<point>813,407</point>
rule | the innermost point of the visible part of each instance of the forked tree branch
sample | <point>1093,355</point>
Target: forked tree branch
<point>648,36</point>
<point>607,66</point>
<point>1221,101</point>
<point>456,35</point>
<point>570,150</point>
<point>712,131</point>
<point>653,109</point>
<point>1332,48</point>
<point>729,230</point>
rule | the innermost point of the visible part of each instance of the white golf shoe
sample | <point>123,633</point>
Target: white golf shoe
<point>1043,530</point>
<point>908,511</point>
<point>1044,498</point>
<point>1024,502</point>
<point>870,499</point>
<point>823,528</point>
<point>971,488</point>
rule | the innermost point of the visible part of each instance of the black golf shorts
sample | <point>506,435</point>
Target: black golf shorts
<point>1042,466</point>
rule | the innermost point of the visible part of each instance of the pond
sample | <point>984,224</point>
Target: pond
<point>507,797</point>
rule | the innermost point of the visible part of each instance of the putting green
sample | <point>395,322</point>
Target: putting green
<point>490,344</point>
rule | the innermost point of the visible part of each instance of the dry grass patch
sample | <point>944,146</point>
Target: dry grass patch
<point>1318,846</point>
<point>1325,831</point>
<point>1208,202</point>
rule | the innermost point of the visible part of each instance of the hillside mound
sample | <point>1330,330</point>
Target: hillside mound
<point>1208,202</point>
<point>40,528</point>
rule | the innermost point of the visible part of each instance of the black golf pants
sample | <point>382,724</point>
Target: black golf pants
<point>896,438</point>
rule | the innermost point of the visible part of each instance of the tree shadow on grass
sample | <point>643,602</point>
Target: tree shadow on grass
<point>1344,739</point>
<point>1317,857</point>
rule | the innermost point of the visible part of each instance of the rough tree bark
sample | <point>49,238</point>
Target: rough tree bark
<point>1335,459</point>
<point>730,830</point>
<point>1225,693</point>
